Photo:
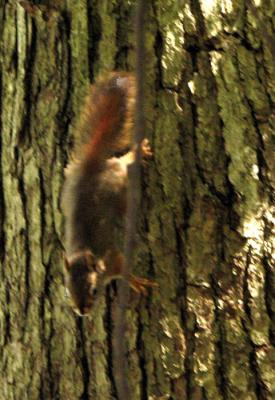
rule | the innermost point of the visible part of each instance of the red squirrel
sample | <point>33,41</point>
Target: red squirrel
<point>94,193</point>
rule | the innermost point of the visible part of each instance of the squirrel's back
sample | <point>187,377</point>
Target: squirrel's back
<point>95,186</point>
<point>107,117</point>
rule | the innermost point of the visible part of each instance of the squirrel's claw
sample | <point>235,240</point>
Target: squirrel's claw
<point>140,285</point>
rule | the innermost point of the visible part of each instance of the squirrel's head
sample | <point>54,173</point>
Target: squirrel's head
<point>83,280</point>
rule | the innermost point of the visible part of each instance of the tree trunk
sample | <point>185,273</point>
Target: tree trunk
<point>208,331</point>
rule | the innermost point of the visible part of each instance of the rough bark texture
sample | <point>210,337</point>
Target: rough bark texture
<point>208,332</point>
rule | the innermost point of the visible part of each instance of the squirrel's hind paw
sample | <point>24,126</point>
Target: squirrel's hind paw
<point>140,285</point>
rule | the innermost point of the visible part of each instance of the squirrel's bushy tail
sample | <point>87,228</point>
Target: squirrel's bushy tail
<point>107,117</point>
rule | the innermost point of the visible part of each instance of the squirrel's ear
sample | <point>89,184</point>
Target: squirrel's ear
<point>90,259</point>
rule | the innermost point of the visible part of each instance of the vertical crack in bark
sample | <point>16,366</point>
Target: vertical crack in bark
<point>52,379</point>
<point>7,333</point>
<point>224,199</point>
<point>6,311</point>
<point>197,12</point>
<point>262,165</point>
<point>2,200</point>
<point>262,79</point>
<point>122,32</point>
<point>222,381</point>
<point>182,299</point>
<point>27,252</point>
<point>95,34</point>
<point>189,358</point>
<point>48,384</point>
<point>83,359</point>
<point>24,135</point>
<point>108,322</point>
<point>142,361</point>
<point>269,281</point>
<point>64,115</point>
<point>193,54</point>
<point>193,50</point>
<point>158,47</point>
<point>263,168</point>
<point>269,296</point>
<point>139,343</point>
<point>2,16</point>
<point>220,196</point>
<point>204,394</point>
<point>246,293</point>
<point>159,50</point>
<point>43,294</point>
<point>260,388</point>
<point>42,210</point>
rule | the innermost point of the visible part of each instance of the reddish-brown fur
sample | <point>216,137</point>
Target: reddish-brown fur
<point>107,118</point>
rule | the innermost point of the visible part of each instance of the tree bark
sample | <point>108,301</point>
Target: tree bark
<point>208,331</point>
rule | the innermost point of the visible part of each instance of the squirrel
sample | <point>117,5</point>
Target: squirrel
<point>94,193</point>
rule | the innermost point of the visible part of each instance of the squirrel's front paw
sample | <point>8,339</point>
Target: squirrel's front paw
<point>146,150</point>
